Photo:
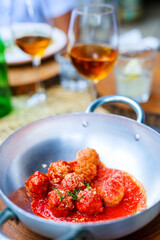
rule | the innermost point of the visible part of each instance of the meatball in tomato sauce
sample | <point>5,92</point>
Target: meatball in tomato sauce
<point>88,155</point>
<point>89,202</point>
<point>37,185</point>
<point>86,169</point>
<point>87,162</point>
<point>60,203</point>
<point>58,170</point>
<point>112,192</point>
<point>72,181</point>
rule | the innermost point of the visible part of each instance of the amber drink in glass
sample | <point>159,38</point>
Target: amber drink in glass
<point>93,41</point>
<point>33,37</point>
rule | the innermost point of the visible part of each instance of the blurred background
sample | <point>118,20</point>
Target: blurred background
<point>137,19</point>
<point>141,14</point>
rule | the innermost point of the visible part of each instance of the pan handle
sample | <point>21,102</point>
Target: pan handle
<point>78,234</point>
<point>4,216</point>
<point>117,98</point>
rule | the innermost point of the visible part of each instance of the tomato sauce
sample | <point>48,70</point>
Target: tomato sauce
<point>134,200</point>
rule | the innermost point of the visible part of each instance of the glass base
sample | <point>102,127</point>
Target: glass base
<point>37,98</point>
<point>78,85</point>
<point>142,99</point>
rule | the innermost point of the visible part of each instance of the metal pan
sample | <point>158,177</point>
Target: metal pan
<point>121,142</point>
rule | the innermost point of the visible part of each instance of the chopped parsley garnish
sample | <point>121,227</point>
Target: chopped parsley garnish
<point>87,185</point>
<point>59,194</point>
<point>74,194</point>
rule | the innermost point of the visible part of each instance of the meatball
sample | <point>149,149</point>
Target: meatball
<point>58,170</point>
<point>72,181</point>
<point>86,169</point>
<point>89,202</point>
<point>112,192</point>
<point>87,162</point>
<point>88,155</point>
<point>37,185</point>
<point>60,203</point>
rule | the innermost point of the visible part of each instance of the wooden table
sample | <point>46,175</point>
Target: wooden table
<point>22,78</point>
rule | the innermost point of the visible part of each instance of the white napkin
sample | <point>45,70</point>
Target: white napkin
<point>133,41</point>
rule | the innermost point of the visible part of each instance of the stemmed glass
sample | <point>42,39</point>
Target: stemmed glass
<point>33,37</point>
<point>93,41</point>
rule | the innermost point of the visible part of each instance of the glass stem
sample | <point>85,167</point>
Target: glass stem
<point>36,63</point>
<point>93,90</point>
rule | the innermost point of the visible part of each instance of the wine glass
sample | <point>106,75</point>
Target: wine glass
<point>93,41</point>
<point>33,37</point>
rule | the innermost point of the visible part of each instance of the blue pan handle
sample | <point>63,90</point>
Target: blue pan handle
<point>80,234</point>
<point>117,98</point>
<point>4,216</point>
<point>77,234</point>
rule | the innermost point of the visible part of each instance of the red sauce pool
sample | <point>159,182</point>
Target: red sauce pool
<point>134,200</point>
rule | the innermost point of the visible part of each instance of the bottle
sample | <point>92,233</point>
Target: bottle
<point>5,92</point>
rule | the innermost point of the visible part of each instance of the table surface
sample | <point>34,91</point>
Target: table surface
<point>74,101</point>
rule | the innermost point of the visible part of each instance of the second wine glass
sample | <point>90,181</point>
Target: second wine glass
<point>33,38</point>
<point>93,41</point>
